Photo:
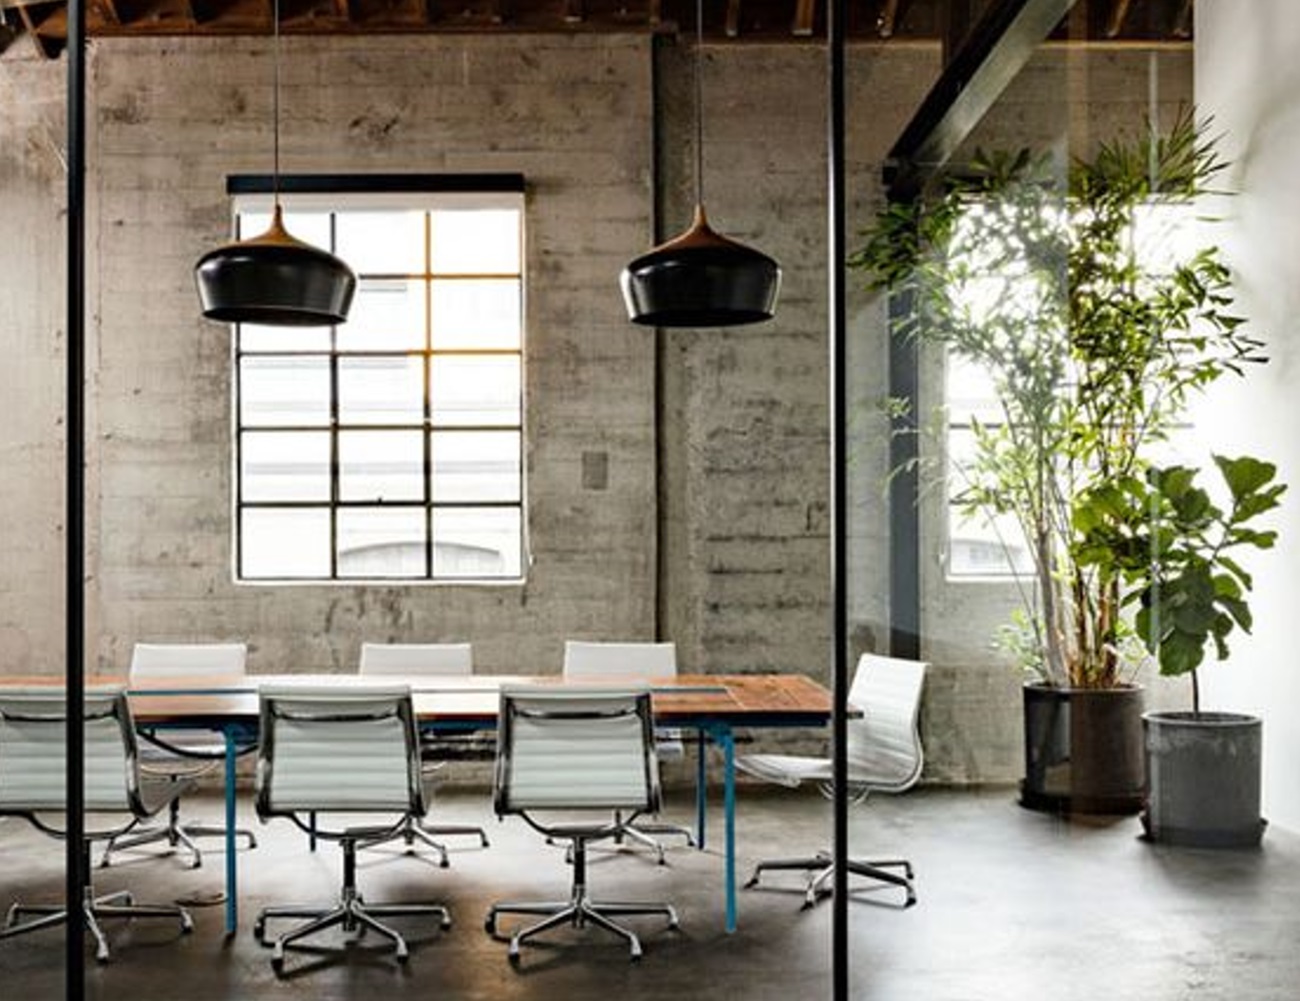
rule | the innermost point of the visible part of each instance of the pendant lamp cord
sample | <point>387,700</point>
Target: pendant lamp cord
<point>699,102</point>
<point>275,103</point>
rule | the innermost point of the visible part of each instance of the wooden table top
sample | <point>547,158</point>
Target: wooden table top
<point>742,699</point>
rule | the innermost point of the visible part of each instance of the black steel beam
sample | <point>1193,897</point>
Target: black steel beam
<point>997,47</point>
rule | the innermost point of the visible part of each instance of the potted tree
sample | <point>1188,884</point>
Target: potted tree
<point>1044,279</point>
<point>1203,767</point>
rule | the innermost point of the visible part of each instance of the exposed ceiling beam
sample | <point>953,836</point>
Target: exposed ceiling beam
<point>805,11</point>
<point>887,20</point>
<point>1115,22</point>
<point>994,52</point>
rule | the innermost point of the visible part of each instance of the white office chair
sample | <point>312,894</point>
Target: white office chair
<point>561,752</point>
<point>182,754</point>
<point>33,728</point>
<point>447,660</point>
<point>633,662</point>
<point>330,751</point>
<point>884,755</point>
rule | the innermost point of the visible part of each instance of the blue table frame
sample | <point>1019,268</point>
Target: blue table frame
<point>715,726</point>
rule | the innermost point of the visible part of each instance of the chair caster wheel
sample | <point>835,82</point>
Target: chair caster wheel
<point>101,956</point>
<point>445,924</point>
<point>187,924</point>
<point>751,882</point>
<point>277,964</point>
<point>490,924</point>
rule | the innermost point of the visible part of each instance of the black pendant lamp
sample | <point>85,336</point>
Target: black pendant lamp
<point>700,278</point>
<point>274,279</point>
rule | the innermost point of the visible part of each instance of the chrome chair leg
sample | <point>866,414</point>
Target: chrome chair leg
<point>822,869</point>
<point>578,911</point>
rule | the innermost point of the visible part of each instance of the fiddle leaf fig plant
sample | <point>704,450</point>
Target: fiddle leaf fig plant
<point>1094,336</point>
<point>1180,561</point>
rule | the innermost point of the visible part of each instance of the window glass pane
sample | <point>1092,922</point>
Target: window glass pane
<point>254,337</point>
<point>477,542</point>
<point>285,466</point>
<point>476,313</point>
<point>381,465</point>
<point>970,393</point>
<point>388,389</point>
<point>475,466</point>
<point>468,389</point>
<point>381,542</point>
<point>483,242</point>
<point>386,242</point>
<point>282,390</point>
<point>386,315</point>
<point>979,545</point>
<point>282,543</point>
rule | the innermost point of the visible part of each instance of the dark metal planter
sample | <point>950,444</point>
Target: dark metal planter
<point>1205,779</point>
<point>1083,750</point>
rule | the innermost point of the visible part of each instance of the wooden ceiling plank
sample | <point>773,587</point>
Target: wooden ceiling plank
<point>1115,22</point>
<point>805,12</point>
<point>887,20</point>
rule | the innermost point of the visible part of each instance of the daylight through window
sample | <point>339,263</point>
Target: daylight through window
<point>389,447</point>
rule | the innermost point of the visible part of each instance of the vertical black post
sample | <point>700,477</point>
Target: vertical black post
<point>904,487</point>
<point>837,312</point>
<point>75,642</point>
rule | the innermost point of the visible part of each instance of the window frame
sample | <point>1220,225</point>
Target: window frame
<point>420,193</point>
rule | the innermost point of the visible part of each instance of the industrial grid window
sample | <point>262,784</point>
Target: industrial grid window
<point>390,447</point>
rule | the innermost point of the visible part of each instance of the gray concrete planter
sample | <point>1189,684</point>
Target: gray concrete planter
<point>1204,772</point>
<point>1083,750</point>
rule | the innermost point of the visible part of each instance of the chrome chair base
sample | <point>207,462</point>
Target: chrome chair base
<point>351,912</point>
<point>93,908</point>
<point>175,834</point>
<point>412,830</point>
<point>822,867</point>
<point>579,910</point>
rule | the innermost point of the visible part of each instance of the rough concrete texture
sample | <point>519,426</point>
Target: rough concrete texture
<point>677,482</point>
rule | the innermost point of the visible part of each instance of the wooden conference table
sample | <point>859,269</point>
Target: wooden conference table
<point>713,705</point>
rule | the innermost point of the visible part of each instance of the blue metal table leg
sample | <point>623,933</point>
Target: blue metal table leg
<point>723,737</point>
<point>232,890</point>
<point>701,789</point>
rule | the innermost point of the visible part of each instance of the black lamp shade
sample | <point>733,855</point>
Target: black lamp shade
<point>701,279</point>
<point>276,280</point>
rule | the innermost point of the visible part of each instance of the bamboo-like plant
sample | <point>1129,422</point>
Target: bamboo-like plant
<point>1094,350</point>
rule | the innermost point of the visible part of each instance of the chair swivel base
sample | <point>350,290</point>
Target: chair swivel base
<point>176,835</point>
<point>823,867</point>
<point>642,833</point>
<point>112,905</point>
<point>353,913</point>
<point>578,912</point>
<point>412,831</point>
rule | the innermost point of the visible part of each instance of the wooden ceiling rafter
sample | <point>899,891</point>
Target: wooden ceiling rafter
<point>734,20</point>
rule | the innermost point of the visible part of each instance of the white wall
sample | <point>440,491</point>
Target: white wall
<point>1248,79</point>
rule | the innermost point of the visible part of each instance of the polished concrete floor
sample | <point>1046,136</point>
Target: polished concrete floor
<point>1013,906</point>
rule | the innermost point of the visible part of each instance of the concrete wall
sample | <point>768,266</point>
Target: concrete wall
<point>1247,78</point>
<point>712,530</point>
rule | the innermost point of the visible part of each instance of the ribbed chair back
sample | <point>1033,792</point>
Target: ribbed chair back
<point>622,661</point>
<point>192,660</point>
<point>329,750</point>
<point>588,749</point>
<point>884,746</point>
<point>436,659</point>
<point>33,752</point>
